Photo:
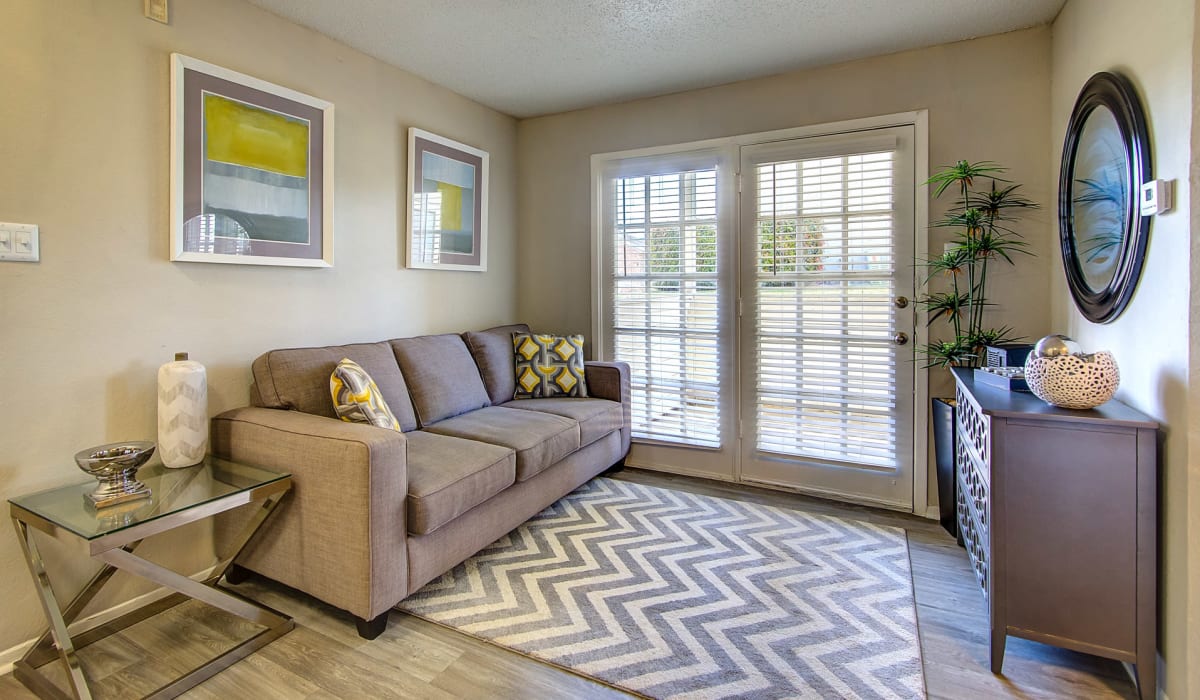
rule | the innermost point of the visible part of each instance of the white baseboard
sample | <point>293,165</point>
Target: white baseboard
<point>931,512</point>
<point>10,656</point>
<point>682,471</point>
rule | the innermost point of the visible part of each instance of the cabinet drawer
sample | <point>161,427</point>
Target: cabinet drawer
<point>974,540</point>
<point>1070,511</point>
<point>974,513</point>
<point>974,432</point>
<point>974,489</point>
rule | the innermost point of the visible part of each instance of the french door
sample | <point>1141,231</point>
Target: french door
<point>826,237</point>
<point>761,293</point>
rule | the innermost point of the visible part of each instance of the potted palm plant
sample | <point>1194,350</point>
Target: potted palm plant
<point>980,220</point>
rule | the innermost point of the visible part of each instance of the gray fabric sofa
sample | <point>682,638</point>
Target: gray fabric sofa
<point>374,514</point>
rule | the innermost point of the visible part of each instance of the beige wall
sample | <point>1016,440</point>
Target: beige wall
<point>988,99</point>
<point>1151,43</point>
<point>84,100</point>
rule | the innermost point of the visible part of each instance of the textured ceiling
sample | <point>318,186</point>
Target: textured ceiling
<point>532,57</point>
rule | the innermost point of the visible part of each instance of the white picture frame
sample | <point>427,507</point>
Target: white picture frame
<point>242,200</point>
<point>447,219</point>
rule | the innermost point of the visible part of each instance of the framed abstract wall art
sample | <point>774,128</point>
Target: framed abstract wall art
<point>251,170</point>
<point>448,203</point>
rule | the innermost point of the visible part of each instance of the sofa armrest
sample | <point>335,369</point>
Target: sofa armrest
<point>610,380</point>
<point>341,533</point>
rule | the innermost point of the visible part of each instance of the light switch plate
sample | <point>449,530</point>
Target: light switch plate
<point>157,10</point>
<point>19,243</point>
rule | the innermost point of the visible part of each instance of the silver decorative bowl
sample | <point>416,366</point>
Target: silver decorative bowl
<point>115,466</point>
<point>1056,346</point>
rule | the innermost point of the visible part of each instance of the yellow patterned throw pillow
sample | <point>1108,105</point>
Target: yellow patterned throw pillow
<point>548,366</point>
<point>356,398</point>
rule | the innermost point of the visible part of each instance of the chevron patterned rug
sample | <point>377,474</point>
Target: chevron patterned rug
<point>668,594</point>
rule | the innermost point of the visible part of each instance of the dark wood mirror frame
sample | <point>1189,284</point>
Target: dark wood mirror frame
<point>1116,93</point>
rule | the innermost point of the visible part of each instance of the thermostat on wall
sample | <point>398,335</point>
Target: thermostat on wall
<point>1156,197</point>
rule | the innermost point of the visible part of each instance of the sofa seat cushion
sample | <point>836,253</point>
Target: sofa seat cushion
<point>447,476</point>
<point>596,417</point>
<point>539,439</point>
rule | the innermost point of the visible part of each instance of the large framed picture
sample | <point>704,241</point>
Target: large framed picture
<point>448,203</point>
<point>251,170</point>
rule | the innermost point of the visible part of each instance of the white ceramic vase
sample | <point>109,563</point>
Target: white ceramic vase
<point>182,412</point>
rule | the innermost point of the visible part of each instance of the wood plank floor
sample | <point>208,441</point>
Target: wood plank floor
<point>324,657</point>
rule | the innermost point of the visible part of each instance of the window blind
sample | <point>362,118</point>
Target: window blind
<point>824,266</point>
<point>665,301</point>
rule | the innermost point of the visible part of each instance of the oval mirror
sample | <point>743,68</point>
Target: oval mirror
<point>1106,158</point>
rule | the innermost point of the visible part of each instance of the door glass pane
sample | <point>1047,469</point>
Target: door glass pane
<point>824,282</point>
<point>665,302</point>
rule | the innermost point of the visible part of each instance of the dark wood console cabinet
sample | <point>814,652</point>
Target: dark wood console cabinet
<point>1058,512</point>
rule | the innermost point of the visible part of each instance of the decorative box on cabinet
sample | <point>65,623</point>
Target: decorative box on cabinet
<point>1058,512</point>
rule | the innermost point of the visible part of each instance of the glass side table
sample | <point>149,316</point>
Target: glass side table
<point>110,535</point>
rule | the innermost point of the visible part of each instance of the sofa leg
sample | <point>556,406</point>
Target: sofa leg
<point>614,468</point>
<point>236,574</point>
<point>370,629</point>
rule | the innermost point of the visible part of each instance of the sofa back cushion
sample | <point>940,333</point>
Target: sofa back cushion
<point>297,379</point>
<point>441,376</point>
<point>493,353</point>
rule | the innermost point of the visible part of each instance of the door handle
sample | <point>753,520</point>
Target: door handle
<point>901,302</point>
<point>901,338</point>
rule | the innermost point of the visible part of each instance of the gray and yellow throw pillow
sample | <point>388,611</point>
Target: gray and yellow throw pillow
<point>356,399</point>
<point>548,366</point>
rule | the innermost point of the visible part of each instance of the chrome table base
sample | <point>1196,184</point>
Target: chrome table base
<point>57,641</point>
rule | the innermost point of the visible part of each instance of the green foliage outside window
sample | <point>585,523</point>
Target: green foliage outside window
<point>790,245</point>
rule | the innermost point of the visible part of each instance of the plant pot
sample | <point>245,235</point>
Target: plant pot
<point>944,448</point>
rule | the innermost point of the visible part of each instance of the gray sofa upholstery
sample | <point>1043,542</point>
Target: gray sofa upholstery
<point>374,514</point>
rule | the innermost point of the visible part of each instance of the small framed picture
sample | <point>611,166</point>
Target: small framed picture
<point>448,205</point>
<point>251,170</point>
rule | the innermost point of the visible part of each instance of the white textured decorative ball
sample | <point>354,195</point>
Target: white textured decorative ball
<point>1073,381</point>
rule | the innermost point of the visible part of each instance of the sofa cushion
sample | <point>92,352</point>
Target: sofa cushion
<point>548,366</point>
<point>297,379</point>
<point>539,439</point>
<point>596,417</point>
<point>357,399</point>
<point>493,353</point>
<point>447,476</point>
<point>441,376</point>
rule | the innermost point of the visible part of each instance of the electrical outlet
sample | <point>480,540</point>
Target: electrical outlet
<point>157,10</point>
<point>19,243</point>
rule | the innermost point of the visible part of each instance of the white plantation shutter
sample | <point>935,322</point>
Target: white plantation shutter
<point>823,314</point>
<point>661,231</point>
